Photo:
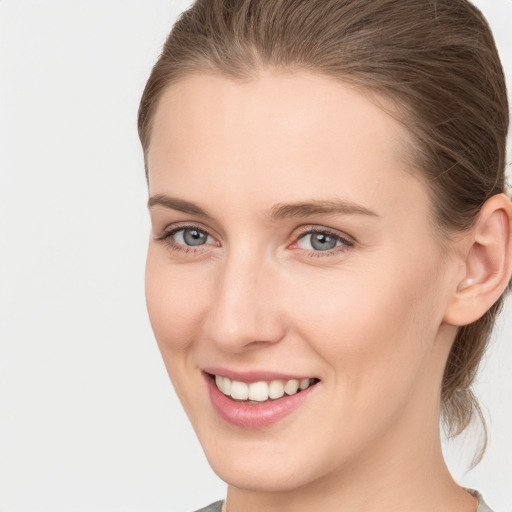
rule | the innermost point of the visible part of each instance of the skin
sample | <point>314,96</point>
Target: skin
<point>368,319</point>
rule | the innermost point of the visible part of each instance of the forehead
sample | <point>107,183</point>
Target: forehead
<point>284,134</point>
<point>278,107</point>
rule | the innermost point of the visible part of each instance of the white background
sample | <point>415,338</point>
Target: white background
<point>88,418</point>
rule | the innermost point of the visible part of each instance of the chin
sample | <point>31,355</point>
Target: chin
<point>270,466</point>
<point>272,477</point>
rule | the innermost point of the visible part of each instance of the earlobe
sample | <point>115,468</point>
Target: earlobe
<point>487,263</point>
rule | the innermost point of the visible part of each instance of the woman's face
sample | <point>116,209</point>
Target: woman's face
<point>291,244</point>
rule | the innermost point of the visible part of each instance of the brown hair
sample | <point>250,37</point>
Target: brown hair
<point>435,59</point>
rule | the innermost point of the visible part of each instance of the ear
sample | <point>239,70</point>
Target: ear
<point>486,260</point>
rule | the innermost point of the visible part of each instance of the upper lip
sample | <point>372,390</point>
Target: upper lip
<point>254,375</point>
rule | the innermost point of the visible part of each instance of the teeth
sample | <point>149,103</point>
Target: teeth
<point>239,390</point>
<point>223,384</point>
<point>291,387</point>
<point>276,389</point>
<point>304,383</point>
<point>260,391</point>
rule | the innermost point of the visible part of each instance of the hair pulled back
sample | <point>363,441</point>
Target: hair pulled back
<point>435,59</point>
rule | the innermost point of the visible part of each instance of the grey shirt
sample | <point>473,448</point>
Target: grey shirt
<point>214,507</point>
<point>482,506</point>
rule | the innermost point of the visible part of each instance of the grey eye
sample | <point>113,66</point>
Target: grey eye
<point>319,241</point>
<point>191,237</point>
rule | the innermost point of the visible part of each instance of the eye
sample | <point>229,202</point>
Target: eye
<point>322,241</point>
<point>187,239</point>
<point>190,236</point>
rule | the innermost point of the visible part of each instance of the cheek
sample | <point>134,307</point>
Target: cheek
<point>175,301</point>
<point>375,330</point>
<point>368,323</point>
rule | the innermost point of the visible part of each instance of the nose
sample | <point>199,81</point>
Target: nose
<point>244,312</point>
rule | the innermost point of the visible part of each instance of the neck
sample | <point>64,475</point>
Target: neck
<point>419,481</point>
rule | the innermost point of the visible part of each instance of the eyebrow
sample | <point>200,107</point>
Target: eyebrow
<point>318,207</point>
<point>178,204</point>
<point>277,212</point>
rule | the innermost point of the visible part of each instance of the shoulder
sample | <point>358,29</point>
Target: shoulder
<point>217,507</point>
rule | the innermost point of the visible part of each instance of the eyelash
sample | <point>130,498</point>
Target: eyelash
<point>311,230</point>
<point>167,238</point>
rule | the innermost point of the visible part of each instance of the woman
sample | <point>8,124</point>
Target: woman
<point>330,242</point>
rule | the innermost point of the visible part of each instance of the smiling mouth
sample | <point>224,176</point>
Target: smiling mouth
<point>261,391</point>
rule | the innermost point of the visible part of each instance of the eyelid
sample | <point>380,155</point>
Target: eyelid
<point>167,233</point>
<point>315,228</point>
<point>347,240</point>
<point>177,226</point>
<point>166,237</point>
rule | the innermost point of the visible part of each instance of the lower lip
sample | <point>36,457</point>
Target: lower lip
<point>259,415</point>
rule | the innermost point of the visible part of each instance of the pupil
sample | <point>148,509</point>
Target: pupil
<point>323,242</point>
<point>194,237</point>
